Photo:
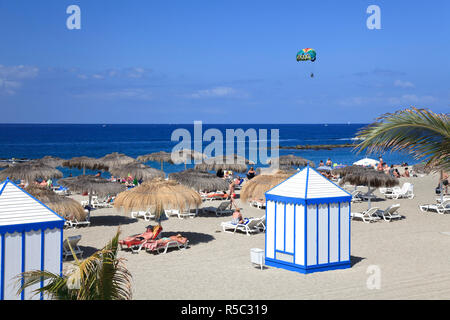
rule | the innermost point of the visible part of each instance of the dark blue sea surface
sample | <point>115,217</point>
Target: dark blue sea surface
<point>95,140</point>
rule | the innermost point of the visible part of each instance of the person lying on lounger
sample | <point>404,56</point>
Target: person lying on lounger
<point>237,217</point>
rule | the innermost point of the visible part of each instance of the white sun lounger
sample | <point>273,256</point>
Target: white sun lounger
<point>406,191</point>
<point>440,208</point>
<point>390,213</point>
<point>356,196</point>
<point>147,215</point>
<point>74,244</point>
<point>221,209</point>
<point>366,216</point>
<point>180,215</point>
<point>253,225</point>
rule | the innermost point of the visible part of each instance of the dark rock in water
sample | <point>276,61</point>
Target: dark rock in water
<point>318,146</point>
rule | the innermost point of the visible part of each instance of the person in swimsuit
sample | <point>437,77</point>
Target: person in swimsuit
<point>237,217</point>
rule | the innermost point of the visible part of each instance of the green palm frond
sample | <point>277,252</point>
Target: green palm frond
<point>102,276</point>
<point>420,132</point>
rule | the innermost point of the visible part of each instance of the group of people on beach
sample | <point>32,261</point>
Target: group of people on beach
<point>391,170</point>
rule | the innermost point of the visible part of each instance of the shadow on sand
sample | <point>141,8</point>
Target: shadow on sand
<point>354,260</point>
<point>193,237</point>
<point>111,220</point>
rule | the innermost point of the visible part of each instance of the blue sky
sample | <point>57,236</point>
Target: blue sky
<point>177,61</point>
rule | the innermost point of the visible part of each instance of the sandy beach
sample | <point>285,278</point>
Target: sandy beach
<point>412,255</point>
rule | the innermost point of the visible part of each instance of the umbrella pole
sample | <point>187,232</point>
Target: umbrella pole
<point>368,196</point>
<point>441,186</point>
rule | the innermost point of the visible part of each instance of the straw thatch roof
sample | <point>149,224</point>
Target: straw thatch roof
<point>371,178</point>
<point>137,170</point>
<point>156,195</point>
<point>4,164</point>
<point>422,168</point>
<point>92,185</point>
<point>291,160</point>
<point>225,162</point>
<point>353,169</point>
<point>199,180</point>
<point>259,185</point>
<point>51,161</point>
<point>116,160</point>
<point>85,163</point>
<point>66,207</point>
<point>30,171</point>
<point>160,156</point>
<point>185,155</point>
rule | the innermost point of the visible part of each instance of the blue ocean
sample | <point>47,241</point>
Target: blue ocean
<point>32,141</point>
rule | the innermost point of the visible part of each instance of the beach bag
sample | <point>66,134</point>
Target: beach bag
<point>438,190</point>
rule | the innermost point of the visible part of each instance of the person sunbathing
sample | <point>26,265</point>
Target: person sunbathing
<point>406,173</point>
<point>237,217</point>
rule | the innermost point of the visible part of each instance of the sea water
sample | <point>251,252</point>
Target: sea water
<point>33,141</point>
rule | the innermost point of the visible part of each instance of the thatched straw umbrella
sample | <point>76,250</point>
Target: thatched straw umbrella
<point>138,170</point>
<point>4,164</point>
<point>199,180</point>
<point>259,185</point>
<point>422,168</point>
<point>370,178</point>
<point>30,171</point>
<point>50,161</point>
<point>229,162</point>
<point>116,159</point>
<point>291,160</point>
<point>85,163</point>
<point>91,184</point>
<point>185,155</point>
<point>66,207</point>
<point>156,195</point>
<point>160,156</point>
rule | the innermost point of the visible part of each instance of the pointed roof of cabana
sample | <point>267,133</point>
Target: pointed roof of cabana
<point>307,186</point>
<point>19,211</point>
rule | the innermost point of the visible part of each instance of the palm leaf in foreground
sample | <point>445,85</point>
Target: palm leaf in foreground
<point>420,132</point>
<point>102,276</point>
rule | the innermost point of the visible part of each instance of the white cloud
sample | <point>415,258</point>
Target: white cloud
<point>126,93</point>
<point>217,92</point>
<point>403,84</point>
<point>411,98</point>
<point>11,77</point>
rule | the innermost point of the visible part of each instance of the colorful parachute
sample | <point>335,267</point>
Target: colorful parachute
<point>306,54</point>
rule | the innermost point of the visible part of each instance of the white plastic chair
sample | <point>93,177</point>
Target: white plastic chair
<point>390,213</point>
<point>252,226</point>
<point>440,208</point>
<point>367,216</point>
<point>74,244</point>
<point>406,191</point>
<point>147,215</point>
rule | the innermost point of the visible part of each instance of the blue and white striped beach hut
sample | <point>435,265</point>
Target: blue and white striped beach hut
<point>307,224</point>
<point>31,238</point>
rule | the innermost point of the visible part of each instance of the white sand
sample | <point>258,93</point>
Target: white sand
<point>412,254</point>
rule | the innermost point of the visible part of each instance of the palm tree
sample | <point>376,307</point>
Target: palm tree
<point>420,132</point>
<point>102,276</point>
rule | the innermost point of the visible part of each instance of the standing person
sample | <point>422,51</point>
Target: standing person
<point>391,171</point>
<point>380,166</point>
<point>220,173</point>
<point>445,181</point>
<point>396,173</point>
<point>231,189</point>
<point>329,162</point>
<point>321,164</point>
<point>251,173</point>
<point>386,168</point>
<point>49,183</point>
